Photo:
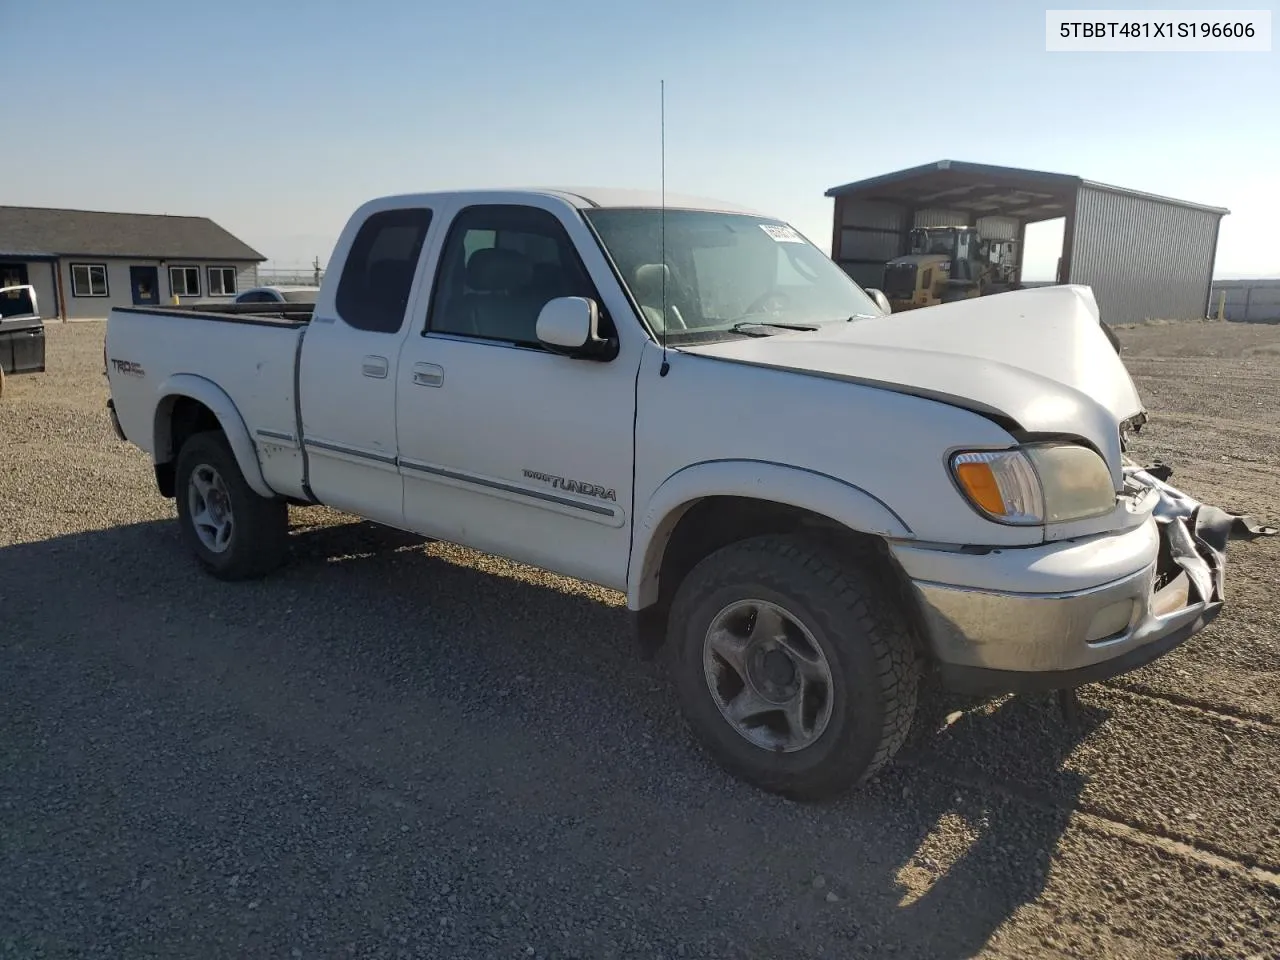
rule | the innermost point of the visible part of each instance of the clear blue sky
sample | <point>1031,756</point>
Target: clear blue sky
<point>277,118</point>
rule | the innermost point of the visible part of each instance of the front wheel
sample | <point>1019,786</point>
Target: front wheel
<point>794,669</point>
<point>235,533</point>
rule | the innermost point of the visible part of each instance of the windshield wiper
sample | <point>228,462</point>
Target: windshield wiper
<point>742,326</point>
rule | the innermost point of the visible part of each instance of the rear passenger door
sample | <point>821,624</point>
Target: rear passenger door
<point>504,445</point>
<point>347,379</point>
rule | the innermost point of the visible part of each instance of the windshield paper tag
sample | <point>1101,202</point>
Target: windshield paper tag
<point>781,233</point>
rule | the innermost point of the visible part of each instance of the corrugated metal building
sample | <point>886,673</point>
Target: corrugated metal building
<point>1144,256</point>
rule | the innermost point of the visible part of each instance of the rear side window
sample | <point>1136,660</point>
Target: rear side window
<point>374,289</point>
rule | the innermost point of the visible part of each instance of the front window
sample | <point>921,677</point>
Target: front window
<point>222,281</point>
<point>499,267</point>
<point>89,280</point>
<point>17,302</point>
<point>725,274</point>
<point>184,281</point>
<point>941,242</point>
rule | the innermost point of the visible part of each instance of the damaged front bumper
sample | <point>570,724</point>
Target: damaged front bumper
<point>1068,613</point>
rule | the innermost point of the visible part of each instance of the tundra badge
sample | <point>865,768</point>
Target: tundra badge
<point>573,486</point>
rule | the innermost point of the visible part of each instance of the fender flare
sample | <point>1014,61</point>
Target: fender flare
<point>839,500</point>
<point>224,409</point>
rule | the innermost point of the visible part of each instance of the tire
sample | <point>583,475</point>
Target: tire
<point>1111,336</point>
<point>256,537</point>
<point>862,635</point>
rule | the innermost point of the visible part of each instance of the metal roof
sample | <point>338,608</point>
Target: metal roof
<point>987,190</point>
<point>93,233</point>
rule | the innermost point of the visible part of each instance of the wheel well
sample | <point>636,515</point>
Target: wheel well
<point>716,522</point>
<point>185,418</point>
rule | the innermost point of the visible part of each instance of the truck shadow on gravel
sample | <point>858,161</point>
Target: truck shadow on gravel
<point>370,641</point>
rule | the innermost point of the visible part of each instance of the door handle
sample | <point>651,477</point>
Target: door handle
<point>428,374</point>
<point>374,367</point>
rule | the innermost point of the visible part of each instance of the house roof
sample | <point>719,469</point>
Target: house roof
<point>45,231</point>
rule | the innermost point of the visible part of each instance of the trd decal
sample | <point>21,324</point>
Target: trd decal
<point>128,367</point>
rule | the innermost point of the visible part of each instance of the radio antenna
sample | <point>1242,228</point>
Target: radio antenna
<point>662,216</point>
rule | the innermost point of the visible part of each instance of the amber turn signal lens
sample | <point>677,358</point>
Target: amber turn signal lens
<point>980,484</point>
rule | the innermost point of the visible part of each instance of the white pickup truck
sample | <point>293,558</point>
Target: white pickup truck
<point>810,500</point>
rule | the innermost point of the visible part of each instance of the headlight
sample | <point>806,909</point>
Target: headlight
<point>1035,484</point>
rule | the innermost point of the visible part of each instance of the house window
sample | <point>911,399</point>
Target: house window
<point>184,281</point>
<point>89,280</point>
<point>222,281</point>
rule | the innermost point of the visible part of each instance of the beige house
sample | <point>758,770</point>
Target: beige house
<point>83,262</point>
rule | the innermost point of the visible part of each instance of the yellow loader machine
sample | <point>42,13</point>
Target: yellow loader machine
<point>945,264</point>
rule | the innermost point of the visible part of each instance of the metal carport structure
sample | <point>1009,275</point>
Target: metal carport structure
<point>1145,256</point>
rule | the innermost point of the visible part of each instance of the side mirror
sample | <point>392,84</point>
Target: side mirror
<point>570,325</point>
<point>881,300</point>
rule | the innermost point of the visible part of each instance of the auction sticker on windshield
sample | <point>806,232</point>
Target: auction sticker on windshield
<point>781,232</point>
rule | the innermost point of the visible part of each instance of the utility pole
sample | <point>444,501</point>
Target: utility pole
<point>316,270</point>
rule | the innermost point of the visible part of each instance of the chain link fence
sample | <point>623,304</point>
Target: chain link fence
<point>302,276</point>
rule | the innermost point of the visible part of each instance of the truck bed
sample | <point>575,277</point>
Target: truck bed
<point>270,314</point>
<point>248,356</point>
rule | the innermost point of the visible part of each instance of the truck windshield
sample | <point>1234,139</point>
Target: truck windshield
<point>934,241</point>
<point>725,274</point>
<point>17,302</point>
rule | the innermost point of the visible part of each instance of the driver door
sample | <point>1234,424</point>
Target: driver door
<point>505,446</point>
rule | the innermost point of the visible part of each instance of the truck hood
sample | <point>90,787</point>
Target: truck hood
<point>1037,357</point>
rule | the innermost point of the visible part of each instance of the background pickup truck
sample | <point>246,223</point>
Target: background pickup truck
<point>21,332</point>
<point>811,501</point>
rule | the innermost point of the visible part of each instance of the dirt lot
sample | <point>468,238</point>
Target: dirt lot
<point>392,749</point>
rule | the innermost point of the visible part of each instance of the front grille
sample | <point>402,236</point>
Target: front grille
<point>899,281</point>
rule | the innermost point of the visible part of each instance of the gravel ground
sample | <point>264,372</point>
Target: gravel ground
<point>398,749</point>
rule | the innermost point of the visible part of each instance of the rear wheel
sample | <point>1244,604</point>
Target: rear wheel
<point>793,668</point>
<point>235,533</point>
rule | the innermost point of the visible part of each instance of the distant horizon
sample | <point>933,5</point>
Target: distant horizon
<point>295,265</point>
